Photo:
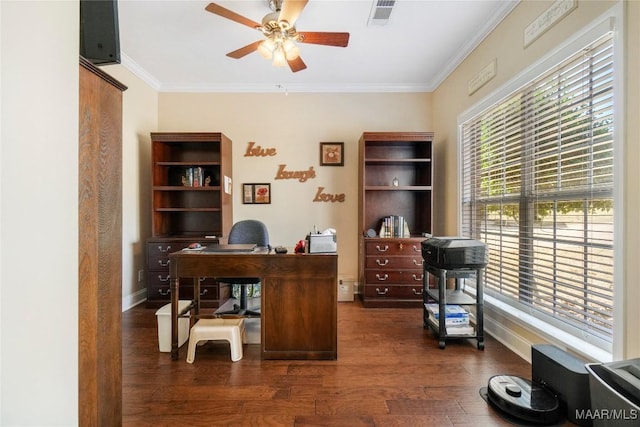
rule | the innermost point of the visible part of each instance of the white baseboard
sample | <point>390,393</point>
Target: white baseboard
<point>130,301</point>
<point>508,338</point>
<point>519,332</point>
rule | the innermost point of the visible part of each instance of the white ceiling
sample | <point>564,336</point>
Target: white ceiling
<point>176,45</point>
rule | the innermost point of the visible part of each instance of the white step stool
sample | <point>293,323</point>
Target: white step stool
<point>231,330</point>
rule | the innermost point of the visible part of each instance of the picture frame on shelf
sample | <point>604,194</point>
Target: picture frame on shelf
<point>332,154</point>
<point>256,194</point>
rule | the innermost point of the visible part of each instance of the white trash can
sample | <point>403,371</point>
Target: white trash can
<point>345,289</point>
<point>164,326</point>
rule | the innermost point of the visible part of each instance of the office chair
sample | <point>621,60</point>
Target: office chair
<point>247,231</point>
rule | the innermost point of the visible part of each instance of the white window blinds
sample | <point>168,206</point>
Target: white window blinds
<point>537,187</point>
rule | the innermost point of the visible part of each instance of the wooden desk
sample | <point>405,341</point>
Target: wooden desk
<point>298,297</point>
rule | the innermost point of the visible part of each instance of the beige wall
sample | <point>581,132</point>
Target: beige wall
<point>451,99</point>
<point>139,117</point>
<point>294,125</point>
<point>630,297</point>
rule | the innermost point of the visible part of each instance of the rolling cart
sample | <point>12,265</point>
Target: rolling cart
<point>443,297</point>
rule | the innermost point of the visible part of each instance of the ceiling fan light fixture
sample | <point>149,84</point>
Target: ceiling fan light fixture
<point>279,57</point>
<point>281,37</point>
<point>291,49</point>
<point>265,49</point>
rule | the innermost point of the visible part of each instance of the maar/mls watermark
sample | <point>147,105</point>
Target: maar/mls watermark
<point>607,414</point>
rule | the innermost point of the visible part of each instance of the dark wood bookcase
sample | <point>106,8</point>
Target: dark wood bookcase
<point>395,179</point>
<point>186,210</point>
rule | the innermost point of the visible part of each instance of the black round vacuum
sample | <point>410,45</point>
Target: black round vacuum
<point>523,400</point>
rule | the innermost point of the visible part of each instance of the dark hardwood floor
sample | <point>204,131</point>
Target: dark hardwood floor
<point>389,372</point>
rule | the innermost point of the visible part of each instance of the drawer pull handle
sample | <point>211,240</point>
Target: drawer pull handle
<point>379,292</point>
<point>164,263</point>
<point>386,261</point>
<point>163,279</point>
<point>420,263</point>
<point>164,293</point>
<point>202,279</point>
<point>417,292</point>
<point>400,246</point>
<point>416,248</point>
<point>382,279</point>
<point>418,278</point>
<point>164,249</point>
<point>385,249</point>
<point>204,292</point>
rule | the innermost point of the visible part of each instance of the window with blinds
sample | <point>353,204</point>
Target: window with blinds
<point>537,188</point>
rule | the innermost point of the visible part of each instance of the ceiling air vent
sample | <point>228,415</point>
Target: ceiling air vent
<point>380,12</point>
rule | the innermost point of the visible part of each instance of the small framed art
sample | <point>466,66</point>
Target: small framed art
<point>256,193</point>
<point>332,154</point>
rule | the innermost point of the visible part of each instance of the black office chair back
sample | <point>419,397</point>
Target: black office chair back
<point>249,231</point>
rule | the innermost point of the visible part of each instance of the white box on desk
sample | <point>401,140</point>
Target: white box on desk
<point>322,243</point>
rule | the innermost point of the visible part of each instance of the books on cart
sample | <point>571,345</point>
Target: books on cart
<point>455,329</point>
<point>457,319</point>
<point>454,314</point>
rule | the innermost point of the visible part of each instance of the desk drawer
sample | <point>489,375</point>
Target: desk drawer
<point>404,247</point>
<point>410,292</point>
<point>158,281</point>
<point>384,262</point>
<point>158,251</point>
<point>409,277</point>
<point>211,293</point>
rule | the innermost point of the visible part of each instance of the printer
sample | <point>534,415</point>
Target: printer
<point>454,252</point>
<point>326,242</point>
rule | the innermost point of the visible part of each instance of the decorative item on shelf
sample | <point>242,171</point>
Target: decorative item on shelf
<point>394,226</point>
<point>332,154</point>
<point>256,193</point>
<point>395,182</point>
<point>187,178</point>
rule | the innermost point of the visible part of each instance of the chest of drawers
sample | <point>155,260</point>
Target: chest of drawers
<point>392,272</point>
<point>212,294</point>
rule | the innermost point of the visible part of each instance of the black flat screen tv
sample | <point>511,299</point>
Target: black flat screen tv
<point>99,31</point>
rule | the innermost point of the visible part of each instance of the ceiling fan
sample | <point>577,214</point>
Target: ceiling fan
<point>280,33</point>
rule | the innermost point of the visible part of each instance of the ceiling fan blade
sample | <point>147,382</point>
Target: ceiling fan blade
<point>250,48</point>
<point>291,9</point>
<point>328,39</point>
<point>297,64</point>
<point>226,13</point>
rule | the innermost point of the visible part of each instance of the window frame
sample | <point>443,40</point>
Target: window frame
<point>608,22</point>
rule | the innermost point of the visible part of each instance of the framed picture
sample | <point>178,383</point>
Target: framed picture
<point>256,193</point>
<point>332,154</point>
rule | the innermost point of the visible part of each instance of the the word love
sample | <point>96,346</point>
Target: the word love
<point>321,196</point>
